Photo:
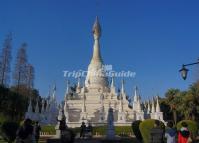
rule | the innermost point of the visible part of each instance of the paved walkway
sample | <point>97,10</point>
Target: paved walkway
<point>96,140</point>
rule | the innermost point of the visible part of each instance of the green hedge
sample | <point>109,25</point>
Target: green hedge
<point>101,130</point>
<point>48,129</point>
<point>136,129</point>
<point>119,130</point>
<point>145,128</point>
<point>8,130</point>
<point>192,126</point>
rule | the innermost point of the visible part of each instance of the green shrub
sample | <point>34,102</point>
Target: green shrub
<point>100,130</point>
<point>2,119</point>
<point>8,131</point>
<point>123,130</point>
<point>136,129</point>
<point>48,129</point>
<point>192,126</point>
<point>119,130</point>
<point>145,128</point>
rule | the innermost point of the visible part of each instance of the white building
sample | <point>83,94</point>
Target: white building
<point>92,99</point>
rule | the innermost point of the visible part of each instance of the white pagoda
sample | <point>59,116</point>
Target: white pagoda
<point>90,101</point>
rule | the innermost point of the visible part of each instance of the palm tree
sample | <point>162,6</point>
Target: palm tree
<point>172,101</point>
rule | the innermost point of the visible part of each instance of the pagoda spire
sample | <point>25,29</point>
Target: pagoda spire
<point>139,109</point>
<point>112,82</point>
<point>78,82</point>
<point>37,106</point>
<point>96,77</point>
<point>121,105</point>
<point>113,91</point>
<point>148,107</point>
<point>122,88</point>
<point>136,94</point>
<point>30,106</point>
<point>96,48</point>
<point>153,107</point>
<point>157,105</point>
<point>54,92</point>
<point>67,89</point>
<point>43,106</point>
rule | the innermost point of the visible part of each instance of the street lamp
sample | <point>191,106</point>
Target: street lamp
<point>184,70</point>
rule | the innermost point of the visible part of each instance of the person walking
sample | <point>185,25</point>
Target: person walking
<point>157,133</point>
<point>170,133</point>
<point>82,130</point>
<point>90,129</point>
<point>37,130</point>
<point>184,134</point>
<point>25,133</point>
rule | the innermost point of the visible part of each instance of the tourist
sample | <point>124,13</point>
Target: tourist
<point>170,133</point>
<point>82,130</point>
<point>184,134</point>
<point>37,130</point>
<point>25,133</point>
<point>89,129</point>
<point>156,133</point>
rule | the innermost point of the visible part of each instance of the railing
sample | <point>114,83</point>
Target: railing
<point>47,133</point>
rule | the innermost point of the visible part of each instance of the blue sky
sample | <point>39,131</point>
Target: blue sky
<point>151,37</point>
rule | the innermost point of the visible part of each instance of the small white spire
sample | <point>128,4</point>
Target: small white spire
<point>112,82</point>
<point>121,104</point>
<point>30,106</point>
<point>47,106</point>
<point>139,109</point>
<point>37,107</point>
<point>43,106</point>
<point>153,107</point>
<point>136,97</point>
<point>54,92</point>
<point>79,82</point>
<point>122,88</point>
<point>157,105</point>
<point>148,107</point>
<point>67,89</point>
<point>60,115</point>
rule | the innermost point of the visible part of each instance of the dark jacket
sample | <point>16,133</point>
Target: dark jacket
<point>156,135</point>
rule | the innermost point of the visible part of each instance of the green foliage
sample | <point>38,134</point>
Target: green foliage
<point>136,129</point>
<point>119,130</point>
<point>2,119</point>
<point>12,104</point>
<point>8,131</point>
<point>48,129</point>
<point>145,128</point>
<point>101,130</point>
<point>175,101</point>
<point>192,126</point>
<point>123,130</point>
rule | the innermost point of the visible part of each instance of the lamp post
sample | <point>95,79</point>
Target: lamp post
<point>184,70</point>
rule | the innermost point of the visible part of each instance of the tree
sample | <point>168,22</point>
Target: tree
<point>183,104</point>
<point>30,76</point>
<point>20,72</point>
<point>8,131</point>
<point>5,60</point>
<point>170,100</point>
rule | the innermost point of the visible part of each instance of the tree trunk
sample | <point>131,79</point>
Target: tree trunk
<point>174,117</point>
